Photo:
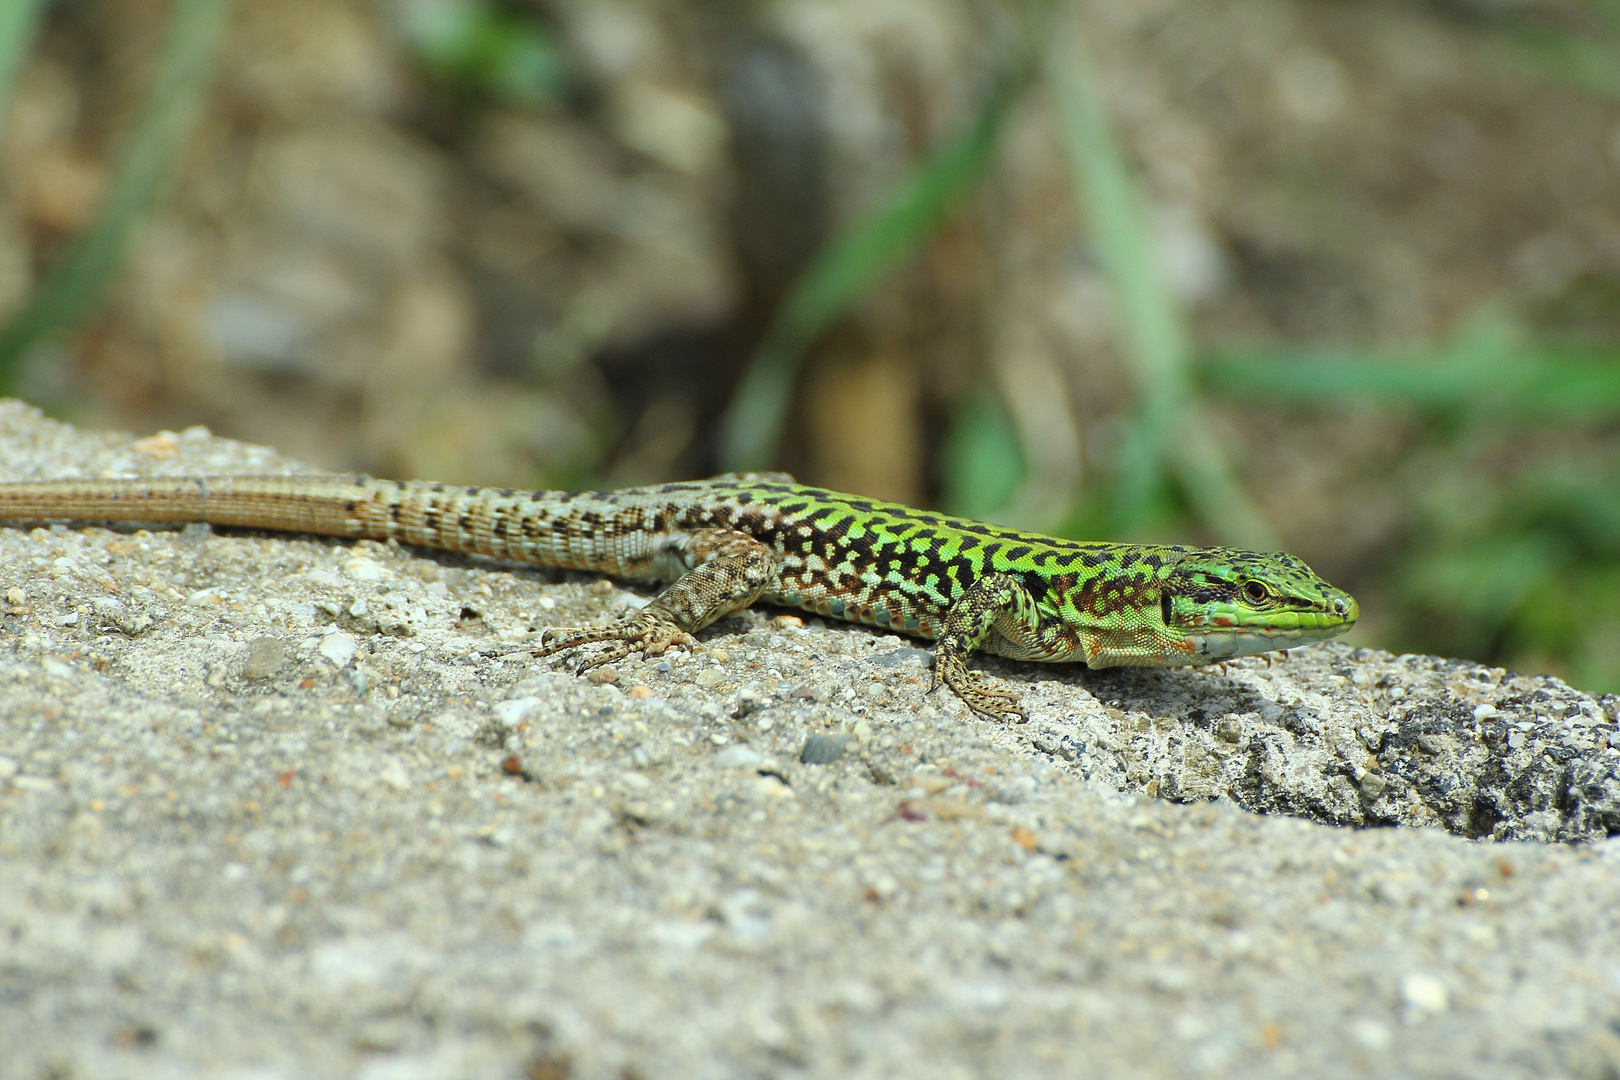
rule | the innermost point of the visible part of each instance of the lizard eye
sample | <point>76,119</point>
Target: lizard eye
<point>1256,591</point>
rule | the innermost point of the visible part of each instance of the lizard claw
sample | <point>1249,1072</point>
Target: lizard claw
<point>982,698</point>
<point>647,637</point>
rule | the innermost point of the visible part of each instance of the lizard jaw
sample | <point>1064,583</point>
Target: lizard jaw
<point>1215,643</point>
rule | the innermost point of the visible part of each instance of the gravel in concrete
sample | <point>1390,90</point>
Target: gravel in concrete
<point>279,806</point>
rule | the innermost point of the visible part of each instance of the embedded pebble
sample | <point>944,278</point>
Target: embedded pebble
<point>1425,993</point>
<point>58,669</point>
<point>824,749</point>
<point>511,713</point>
<point>905,655</point>
<point>338,648</point>
<point>364,568</point>
<point>741,756</point>
<point>265,656</point>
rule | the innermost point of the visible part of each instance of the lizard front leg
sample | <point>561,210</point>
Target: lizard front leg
<point>995,603</point>
<point>728,571</point>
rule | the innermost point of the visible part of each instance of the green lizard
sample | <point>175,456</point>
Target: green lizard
<point>727,542</point>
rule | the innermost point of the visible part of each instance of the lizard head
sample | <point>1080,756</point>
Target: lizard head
<point>1228,603</point>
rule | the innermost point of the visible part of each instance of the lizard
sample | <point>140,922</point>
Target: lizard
<point>727,542</point>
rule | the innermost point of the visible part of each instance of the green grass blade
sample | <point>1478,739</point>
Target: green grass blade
<point>852,263</point>
<point>981,463</point>
<point>19,21</point>
<point>1534,382</point>
<point>77,280</point>
<point>1167,429</point>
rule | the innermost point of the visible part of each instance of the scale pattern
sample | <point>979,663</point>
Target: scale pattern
<point>728,541</point>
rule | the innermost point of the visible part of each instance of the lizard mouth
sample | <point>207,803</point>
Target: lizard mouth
<point>1227,644</point>
<point>1226,634</point>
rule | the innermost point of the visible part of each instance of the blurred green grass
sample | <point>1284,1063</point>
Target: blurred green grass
<point>856,261</point>
<point>1519,561</point>
<point>19,22</point>
<point>485,50</point>
<point>77,280</point>
<point>1519,568</point>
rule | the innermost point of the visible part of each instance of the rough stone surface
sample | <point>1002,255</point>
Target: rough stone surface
<point>406,849</point>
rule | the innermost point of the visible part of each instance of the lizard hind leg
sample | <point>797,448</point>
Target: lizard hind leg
<point>728,571</point>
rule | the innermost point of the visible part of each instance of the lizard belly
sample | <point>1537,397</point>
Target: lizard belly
<point>1058,652</point>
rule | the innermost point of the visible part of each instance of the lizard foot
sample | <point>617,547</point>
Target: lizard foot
<point>646,636</point>
<point>976,692</point>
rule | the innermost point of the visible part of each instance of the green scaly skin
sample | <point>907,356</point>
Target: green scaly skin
<point>727,542</point>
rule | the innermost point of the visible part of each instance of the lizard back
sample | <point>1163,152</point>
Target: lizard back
<point>843,556</point>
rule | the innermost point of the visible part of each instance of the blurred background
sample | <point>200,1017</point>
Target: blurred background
<point>1337,277</point>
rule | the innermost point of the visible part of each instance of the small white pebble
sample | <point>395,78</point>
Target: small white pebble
<point>740,757</point>
<point>339,648</point>
<point>1481,712</point>
<point>58,669</point>
<point>509,714</point>
<point>1371,1033</point>
<point>361,568</point>
<point>395,776</point>
<point>1425,993</point>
